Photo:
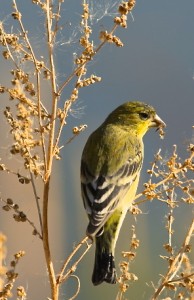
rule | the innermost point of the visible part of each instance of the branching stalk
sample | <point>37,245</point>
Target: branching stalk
<point>61,278</point>
<point>54,287</point>
<point>38,85</point>
<point>176,263</point>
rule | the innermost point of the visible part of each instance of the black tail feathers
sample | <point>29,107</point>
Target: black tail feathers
<point>104,268</point>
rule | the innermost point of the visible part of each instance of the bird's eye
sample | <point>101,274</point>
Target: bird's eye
<point>144,116</point>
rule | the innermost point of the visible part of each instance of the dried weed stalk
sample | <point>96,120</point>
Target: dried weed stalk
<point>126,276</point>
<point>173,185</point>
<point>3,269</point>
<point>10,278</point>
<point>36,125</point>
<point>171,182</point>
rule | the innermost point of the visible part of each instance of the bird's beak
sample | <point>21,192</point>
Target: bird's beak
<point>157,122</point>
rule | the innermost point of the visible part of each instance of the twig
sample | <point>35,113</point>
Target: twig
<point>176,263</point>
<point>55,95</point>
<point>68,104</point>
<point>22,216</point>
<point>78,287</point>
<point>8,48</point>
<point>37,201</point>
<point>50,267</point>
<point>170,176</point>
<point>57,16</point>
<point>181,278</point>
<point>84,63</point>
<point>37,78</point>
<point>61,278</point>
<point>22,178</point>
<point>36,232</point>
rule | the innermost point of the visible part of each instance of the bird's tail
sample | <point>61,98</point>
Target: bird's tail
<point>104,266</point>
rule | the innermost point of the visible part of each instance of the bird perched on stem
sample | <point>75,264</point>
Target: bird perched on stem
<point>110,168</point>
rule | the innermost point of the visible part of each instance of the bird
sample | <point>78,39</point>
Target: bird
<point>110,169</point>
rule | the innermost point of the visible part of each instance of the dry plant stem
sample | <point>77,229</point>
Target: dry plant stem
<point>10,54</point>
<point>54,92</point>
<point>63,123</point>
<point>181,278</point>
<point>3,269</point>
<point>71,76</point>
<point>39,118</point>
<point>61,278</point>
<point>9,171</point>
<point>37,202</point>
<point>74,266</point>
<point>60,129</point>
<point>26,218</point>
<point>166,179</point>
<point>72,138</point>
<point>57,19</point>
<point>54,287</point>
<point>156,185</point>
<point>37,77</point>
<point>170,230</point>
<point>78,287</point>
<point>174,267</point>
<point>37,232</point>
<point>50,267</point>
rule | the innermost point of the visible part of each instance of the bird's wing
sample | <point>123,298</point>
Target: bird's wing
<point>102,194</point>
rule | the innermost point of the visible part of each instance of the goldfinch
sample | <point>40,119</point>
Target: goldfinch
<point>110,168</point>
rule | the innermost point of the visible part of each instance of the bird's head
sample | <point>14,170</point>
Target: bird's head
<point>137,116</point>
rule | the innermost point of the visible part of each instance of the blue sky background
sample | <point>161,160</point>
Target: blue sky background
<point>156,65</point>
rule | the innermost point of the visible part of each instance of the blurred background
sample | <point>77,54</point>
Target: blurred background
<point>156,65</point>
